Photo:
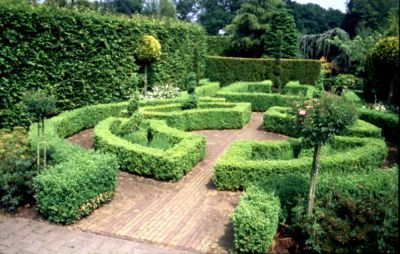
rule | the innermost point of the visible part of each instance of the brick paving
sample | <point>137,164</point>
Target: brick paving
<point>26,236</point>
<point>190,214</point>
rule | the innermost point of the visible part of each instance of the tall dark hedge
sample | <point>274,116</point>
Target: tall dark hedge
<point>84,58</point>
<point>227,70</point>
<point>218,45</point>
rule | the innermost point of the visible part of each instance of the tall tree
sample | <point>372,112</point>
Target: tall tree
<point>249,26</point>
<point>185,9</point>
<point>167,9</point>
<point>282,31</point>
<point>368,14</point>
<point>127,6</point>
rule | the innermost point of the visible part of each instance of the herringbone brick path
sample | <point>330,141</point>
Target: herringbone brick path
<point>190,214</point>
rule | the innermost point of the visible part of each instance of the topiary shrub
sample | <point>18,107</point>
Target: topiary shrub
<point>193,101</point>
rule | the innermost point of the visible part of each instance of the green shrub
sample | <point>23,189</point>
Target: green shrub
<point>386,121</point>
<point>74,188</point>
<point>212,115</point>
<point>218,45</point>
<point>260,95</point>
<point>227,70</point>
<point>170,164</point>
<point>255,220</point>
<point>279,120</point>
<point>207,89</point>
<point>16,169</point>
<point>191,103</point>
<point>353,214</point>
<point>85,58</point>
<point>236,169</point>
<point>295,88</point>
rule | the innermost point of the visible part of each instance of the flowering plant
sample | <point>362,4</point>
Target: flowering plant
<point>162,91</point>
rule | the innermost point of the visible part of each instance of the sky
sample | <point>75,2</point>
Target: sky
<point>335,4</point>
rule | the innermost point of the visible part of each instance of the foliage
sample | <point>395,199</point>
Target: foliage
<point>236,169</point>
<point>259,94</point>
<point>345,81</point>
<point>39,104</point>
<point>148,49</point>
<point>354,214</point>
<point>185,9</point>
<point>74,188</point>
<point>167,9</point>
<point>227,70</point>
<point>16,169</point>
<point>133,104</point>
<point>320,119</point>
<point>255,221</point>
<point>171,164</point>
<point>209,115</point>
<point>387,121</point>
<point>218,45</point>
<point>383,66</point>
<point>282,31</point>
<point>193,101</point>
<point>96,63</point>
<point>313,19</point>
<point>161,91</point>
<point>132,124</point>
<point>128,7</point>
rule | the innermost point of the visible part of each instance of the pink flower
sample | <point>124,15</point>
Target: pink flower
<point>302,112</point>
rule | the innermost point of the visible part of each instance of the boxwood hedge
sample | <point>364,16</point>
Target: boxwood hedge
<point>260,95</point>
<point>387,121</point>
<point>227,70</point>
<point>278,119</point>
<point>244,162</point>
<point>209,115</point>
<point>170,164</point>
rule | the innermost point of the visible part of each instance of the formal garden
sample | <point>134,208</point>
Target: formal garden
<point>294,138</point>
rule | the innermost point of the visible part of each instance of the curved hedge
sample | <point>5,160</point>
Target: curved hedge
<point>80,180</point>
<point>260,95</point>
<point>242,165</point>
<point>227,70</point>
<point>86,58</point>
<point>387,121</point>
<point>277,119</point>
<point>171,164</point>
<point>209,115</point>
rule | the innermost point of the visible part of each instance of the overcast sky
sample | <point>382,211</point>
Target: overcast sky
<point>335,4</point>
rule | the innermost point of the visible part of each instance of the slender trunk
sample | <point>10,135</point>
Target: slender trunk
<point>44,145</point>
<point>313,181</point>
<point>38,144</point>
<point>391,92</point>
<point>145,80</point>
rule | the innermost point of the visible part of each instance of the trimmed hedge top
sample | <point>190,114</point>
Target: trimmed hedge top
<point>227,70</point>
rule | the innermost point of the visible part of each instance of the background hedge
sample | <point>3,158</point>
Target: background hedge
<point>227,70</point>
<point>85,58</point>
<point>218,45</point>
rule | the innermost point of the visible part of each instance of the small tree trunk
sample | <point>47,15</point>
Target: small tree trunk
<point>38,145</point>
<point>313,181</point>
<point>44,145</point>
<point>391,92</point>
<point>145,80</point>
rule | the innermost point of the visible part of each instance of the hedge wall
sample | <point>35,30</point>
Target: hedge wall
<point>218,45</point>
<point>243,163</point>
<point>227,70</point>
<point>83,58</point>
<point>277,119</point>
<point>209,115</point>
<point>170,164</point>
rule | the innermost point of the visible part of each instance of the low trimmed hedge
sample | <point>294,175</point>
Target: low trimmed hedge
<point>260,95</point>
<point>80,180</point>
<point>277,119</point>
<point>255,220</point>
<point>239,166</point>
<point>76,187</point>
<point>207,116</point>
<point>387,121</point>
<point>170,164</point>
<point>227,70</point>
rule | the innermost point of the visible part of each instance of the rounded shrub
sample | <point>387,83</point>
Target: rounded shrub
<point>148,49</point>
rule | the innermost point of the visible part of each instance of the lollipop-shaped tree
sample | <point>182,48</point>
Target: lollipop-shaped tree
<point>147,52</point>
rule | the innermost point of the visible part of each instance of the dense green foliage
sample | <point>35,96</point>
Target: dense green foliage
<point>260,94</point>
<point>94,65</point>
<point>148,49</point>
<point>16,169</point>
<point>354,214</point>
<point>311,18</point>
<point>209,115</point>
<point>255,220</point>
<point>74,188</point>
<point>281,39</point>
<point>239,167</point>
<point>170,164</point>
<point>193,101</point>
<point>227,70</point>
<point>279,120</point>
<point>218,45</point>
<point>388,122</point>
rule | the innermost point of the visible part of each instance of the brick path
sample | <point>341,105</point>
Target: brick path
<point>26,236</point>
<point>190,214</point>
